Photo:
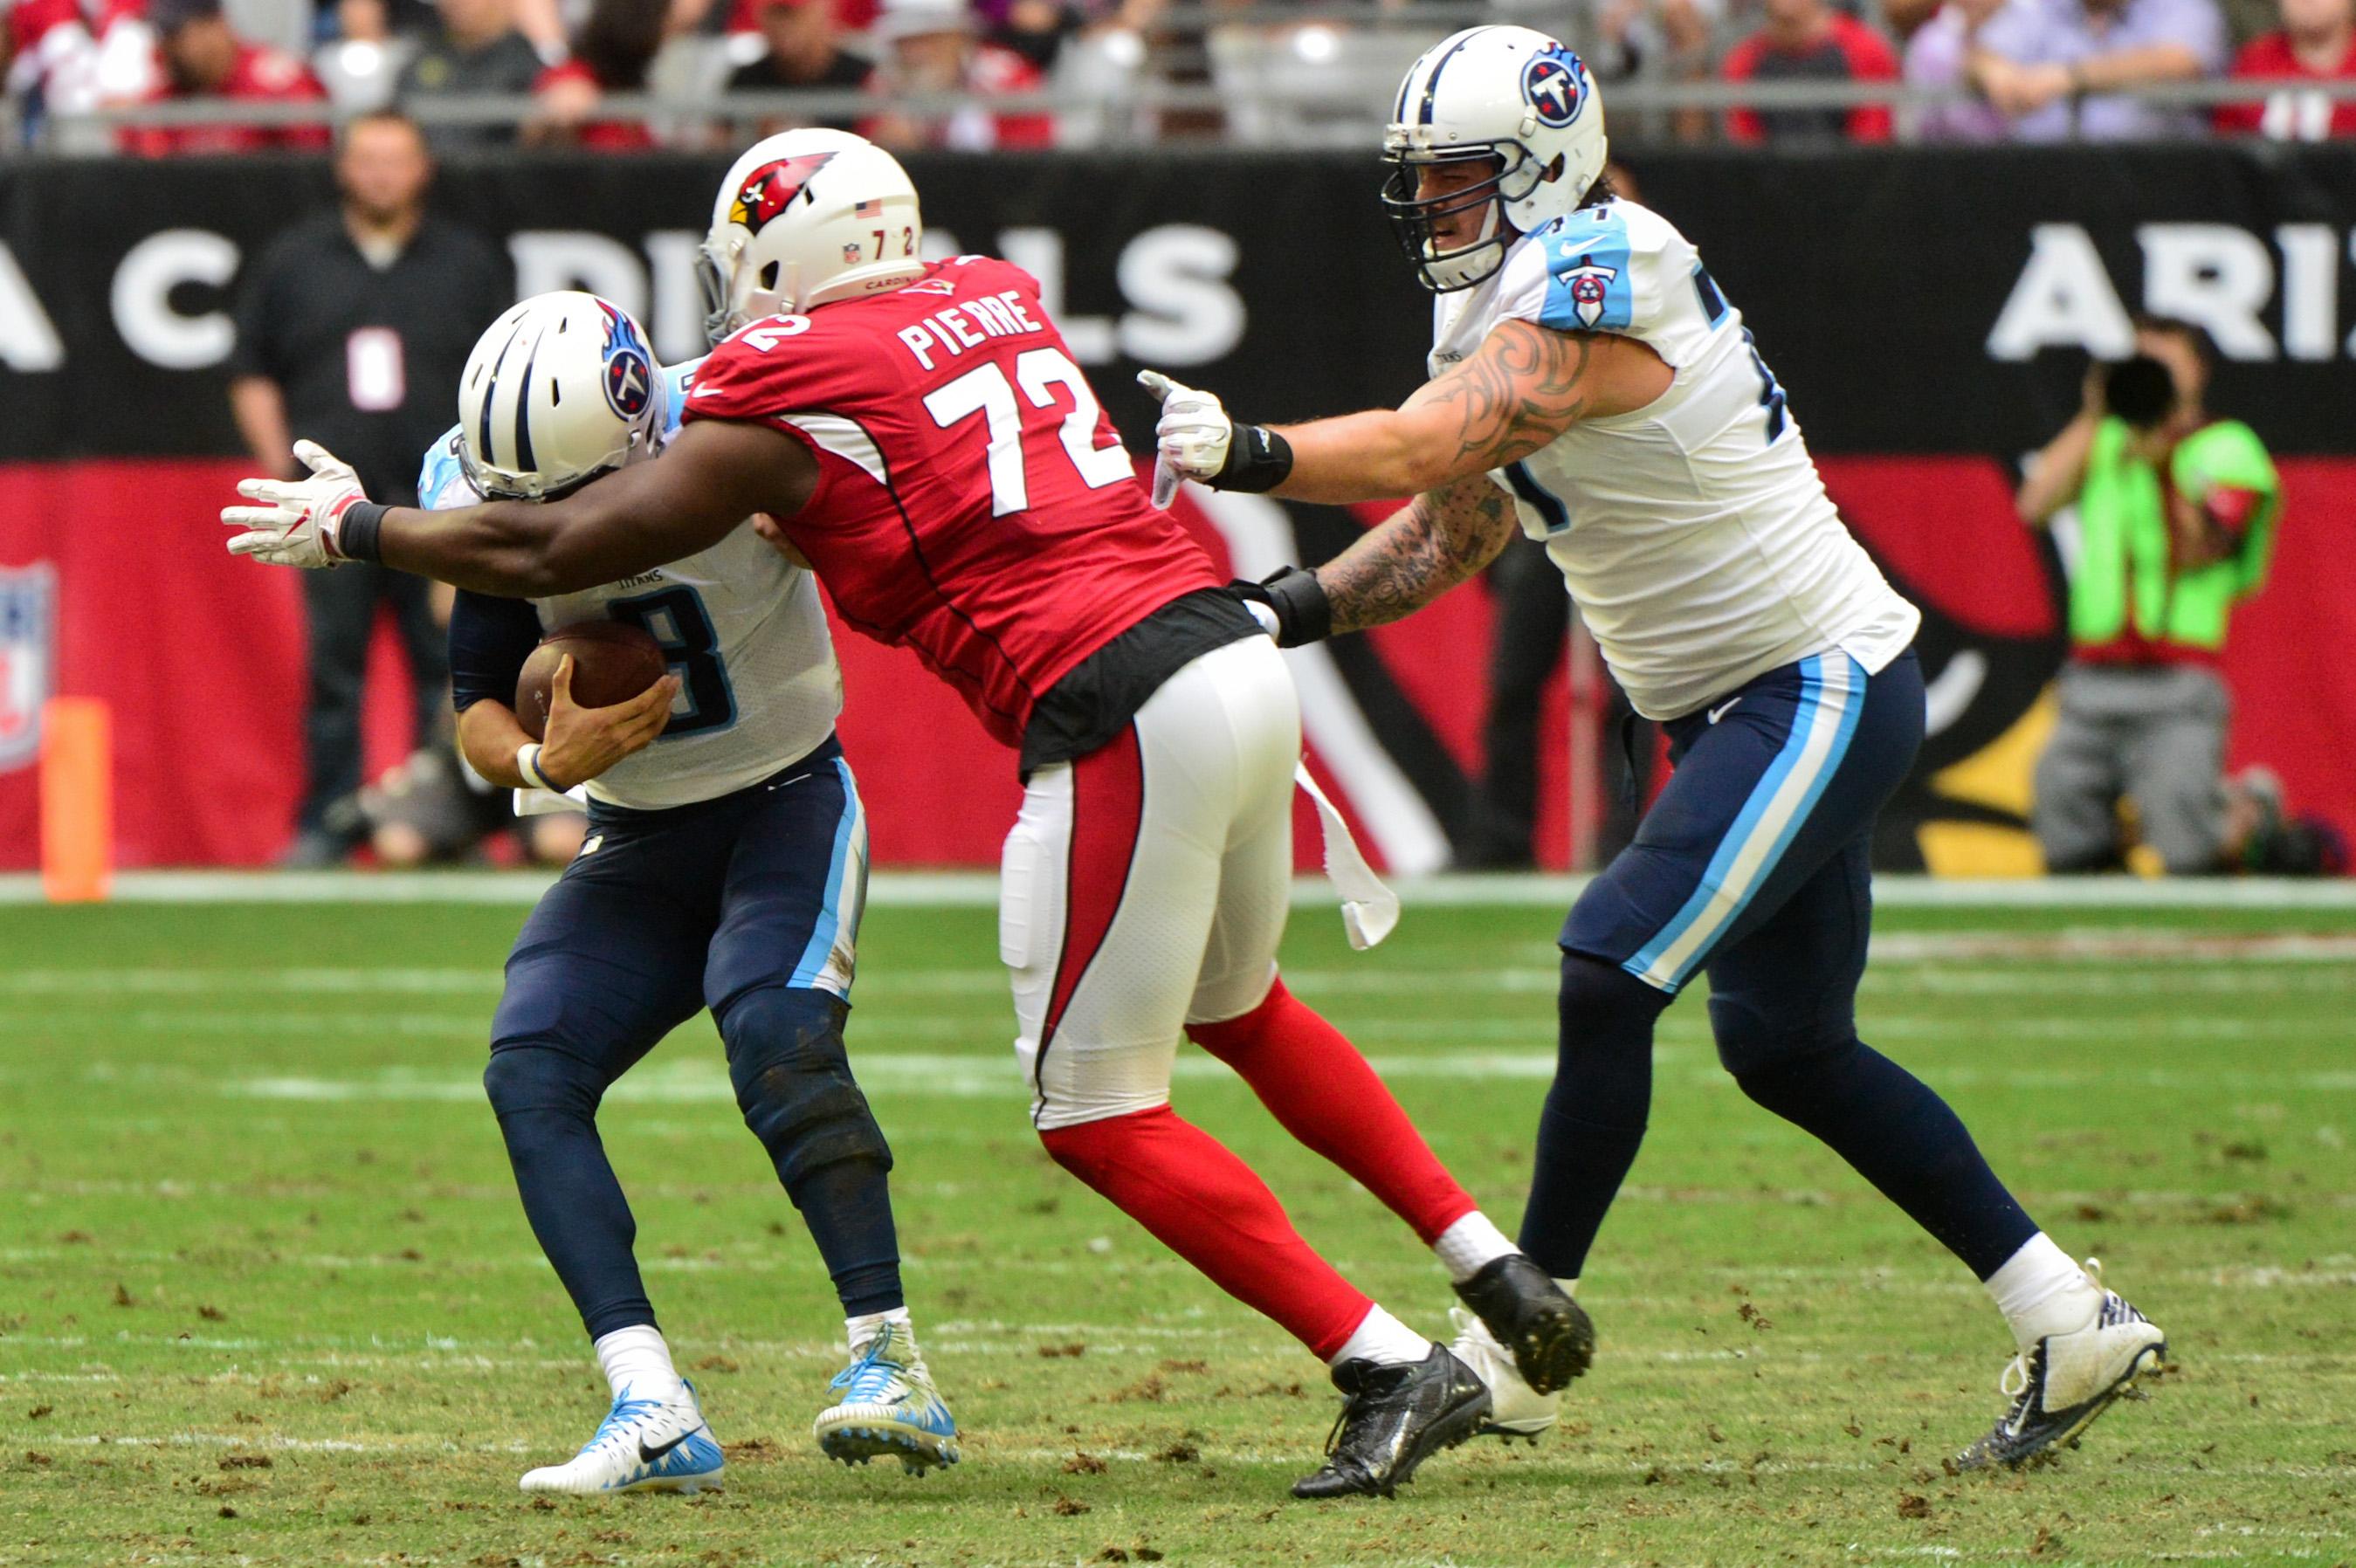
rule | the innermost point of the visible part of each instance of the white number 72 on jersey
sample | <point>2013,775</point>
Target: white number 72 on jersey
<point>985,390</point>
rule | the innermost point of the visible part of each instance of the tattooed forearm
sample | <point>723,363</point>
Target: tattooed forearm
<point>1422,550</point>
<point>1524,386</point>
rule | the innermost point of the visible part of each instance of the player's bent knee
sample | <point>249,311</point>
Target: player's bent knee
<point>793,1081</point>
<point>1092,1149</point>
<point>1602,1004</point>
<point>1229,1038</point>
<point>530,1075</point>
<point>1771,1059</point>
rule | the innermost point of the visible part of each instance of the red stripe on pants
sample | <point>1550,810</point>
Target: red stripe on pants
<point>1107,811</point>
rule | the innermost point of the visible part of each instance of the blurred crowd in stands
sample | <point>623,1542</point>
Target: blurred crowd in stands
<point>2027,70</point>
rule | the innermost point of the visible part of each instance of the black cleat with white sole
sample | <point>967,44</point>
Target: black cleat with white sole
<point>1393,1419</point>
<point>1548,1334</point>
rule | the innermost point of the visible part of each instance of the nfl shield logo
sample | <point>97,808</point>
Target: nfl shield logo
<point>29,596</point>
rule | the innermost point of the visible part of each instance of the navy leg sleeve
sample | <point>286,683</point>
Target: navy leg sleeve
<point>605,967</point>
<point>1595,1117</point>
<point>780,964</point>
<point>1783,1005</point>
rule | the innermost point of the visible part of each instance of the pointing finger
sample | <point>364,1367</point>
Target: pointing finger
<point>1155,382</point>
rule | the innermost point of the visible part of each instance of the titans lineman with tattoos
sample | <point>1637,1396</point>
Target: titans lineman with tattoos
<point>1592,384</point>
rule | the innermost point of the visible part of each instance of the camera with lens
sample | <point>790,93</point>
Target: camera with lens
<point>2138,389</point>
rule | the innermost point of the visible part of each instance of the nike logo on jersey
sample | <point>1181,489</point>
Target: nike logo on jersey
<point>1721,711</point>
<point>648,1455</point>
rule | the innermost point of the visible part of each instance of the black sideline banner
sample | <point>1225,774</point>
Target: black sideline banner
<point>1911,301</point>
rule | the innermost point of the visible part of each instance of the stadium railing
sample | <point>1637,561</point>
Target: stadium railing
<point>1148,102</point>
<point>1315,75</point>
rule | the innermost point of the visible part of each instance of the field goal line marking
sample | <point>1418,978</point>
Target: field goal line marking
<point>979,889</point>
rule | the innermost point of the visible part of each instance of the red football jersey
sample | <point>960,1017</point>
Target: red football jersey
<point>974,502</point>
<point>2288,114</point>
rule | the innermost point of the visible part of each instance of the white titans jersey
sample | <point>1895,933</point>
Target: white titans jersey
<point>1696,537</point>
<point>747,636</point>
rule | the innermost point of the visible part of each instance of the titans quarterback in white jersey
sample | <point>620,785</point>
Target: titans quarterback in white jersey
<point>726,867</point>
<point>1591,384</point>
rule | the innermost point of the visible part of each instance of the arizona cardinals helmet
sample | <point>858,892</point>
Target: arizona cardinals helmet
<point>804,218</point>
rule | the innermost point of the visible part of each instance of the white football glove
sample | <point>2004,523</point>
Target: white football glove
<point>297,526</point>
<point>1192,438</point>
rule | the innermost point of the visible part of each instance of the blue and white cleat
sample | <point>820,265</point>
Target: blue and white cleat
<point>2064,1381</point>
<point>889,1407</point>
<point>644,1445</point>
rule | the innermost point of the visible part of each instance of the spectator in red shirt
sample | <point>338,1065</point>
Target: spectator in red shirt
<point>202,58</point>
<point>2317,43</point>
<point>1807,40</point>
<point>931,48</point>
<point>612,53</point>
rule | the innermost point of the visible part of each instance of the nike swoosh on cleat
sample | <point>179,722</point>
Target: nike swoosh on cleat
<point>648,1455</point>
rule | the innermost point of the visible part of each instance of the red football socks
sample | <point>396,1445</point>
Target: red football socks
<point>1316,1085</point>
<point>1208,1206</point>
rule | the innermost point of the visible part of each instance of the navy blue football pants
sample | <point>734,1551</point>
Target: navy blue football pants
<point>1753,868</point>
<point>748,904</point>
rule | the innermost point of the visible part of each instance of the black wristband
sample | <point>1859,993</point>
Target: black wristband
<point>357,530</point>
<point>1300,602</point>
<point>1304,614</point>
<point>1258,459</point>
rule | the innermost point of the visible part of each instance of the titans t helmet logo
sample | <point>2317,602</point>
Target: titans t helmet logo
<point>1551,83</point>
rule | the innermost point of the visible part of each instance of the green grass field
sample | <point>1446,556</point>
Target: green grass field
<point>266,1294</point>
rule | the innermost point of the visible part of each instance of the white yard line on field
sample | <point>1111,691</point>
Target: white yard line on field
<point>1946,960</point>
<point>930,1074</point>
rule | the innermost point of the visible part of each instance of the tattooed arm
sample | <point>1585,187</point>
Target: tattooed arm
<point>1524,385</point>
<point>1425,548</point>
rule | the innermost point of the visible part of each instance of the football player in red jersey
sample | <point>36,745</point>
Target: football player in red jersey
<point>925,442</point>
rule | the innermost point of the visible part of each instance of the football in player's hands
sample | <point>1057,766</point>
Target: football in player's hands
<point>612,662</point>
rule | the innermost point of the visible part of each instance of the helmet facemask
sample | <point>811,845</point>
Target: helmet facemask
<point>1414,219</point>
<point>726,307</point>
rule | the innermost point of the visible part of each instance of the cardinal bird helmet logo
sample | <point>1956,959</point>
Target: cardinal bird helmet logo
<point>771,189</point>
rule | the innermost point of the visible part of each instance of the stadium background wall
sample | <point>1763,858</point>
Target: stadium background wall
<point>1929,313</point>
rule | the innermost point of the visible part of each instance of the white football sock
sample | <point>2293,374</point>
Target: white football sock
<point>2041,1291</point>
<point>1383,1340</point>
<point>863,1329</point>
<point>637,1362</point>
<point>1567,1286</point>
<point>1470,1245</point>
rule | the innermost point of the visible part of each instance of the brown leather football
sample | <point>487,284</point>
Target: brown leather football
<point>612,662</point>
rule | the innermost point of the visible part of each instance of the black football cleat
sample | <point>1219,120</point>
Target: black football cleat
<point>1393,1419</point>
<point>1549,1335</point>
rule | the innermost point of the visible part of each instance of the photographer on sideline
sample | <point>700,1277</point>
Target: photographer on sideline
<point>2176,519</point>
